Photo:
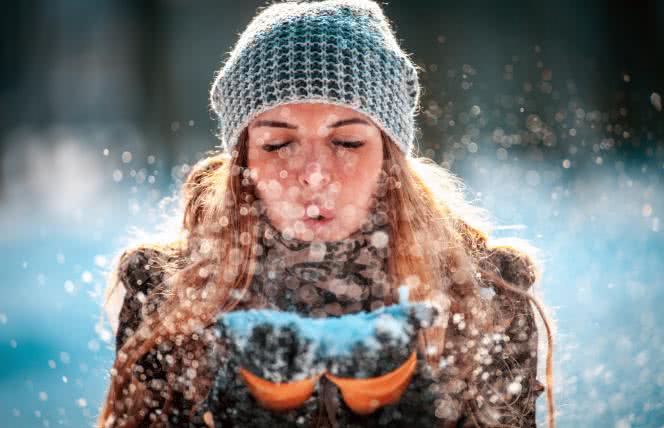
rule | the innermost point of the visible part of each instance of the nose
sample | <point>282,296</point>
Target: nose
<point>314,175</point>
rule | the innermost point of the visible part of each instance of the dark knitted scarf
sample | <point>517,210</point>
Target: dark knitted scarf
<point>323,278</point>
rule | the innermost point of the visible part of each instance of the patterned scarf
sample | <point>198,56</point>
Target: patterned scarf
<point>324,278</point>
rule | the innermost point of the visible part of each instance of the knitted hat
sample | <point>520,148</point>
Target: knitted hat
<point>340,52</point>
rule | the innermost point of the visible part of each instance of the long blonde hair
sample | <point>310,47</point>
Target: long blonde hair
<point>437,246</point>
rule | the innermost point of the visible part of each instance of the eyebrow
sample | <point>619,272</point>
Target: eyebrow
<point>337,124</point>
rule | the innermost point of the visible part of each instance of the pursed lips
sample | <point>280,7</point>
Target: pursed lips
<point>323,212</point>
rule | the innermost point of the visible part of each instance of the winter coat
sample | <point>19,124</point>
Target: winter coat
<point>441,401</point>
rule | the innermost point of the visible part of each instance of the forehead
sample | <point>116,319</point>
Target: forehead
<point>310,112</point>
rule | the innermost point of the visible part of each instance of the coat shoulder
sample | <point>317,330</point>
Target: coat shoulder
<point>140,271</point>
<point>513,265</point>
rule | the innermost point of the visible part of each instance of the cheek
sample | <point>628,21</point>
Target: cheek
<point>359,176</point>
<point>272,179</point>
<point>361,172</point>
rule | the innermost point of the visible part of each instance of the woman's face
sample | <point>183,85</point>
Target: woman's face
<point>313,159</point>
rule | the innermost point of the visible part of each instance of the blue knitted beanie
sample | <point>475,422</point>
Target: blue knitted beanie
<point>340,52</point>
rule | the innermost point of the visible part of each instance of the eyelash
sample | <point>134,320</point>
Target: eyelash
<point>346,144</point>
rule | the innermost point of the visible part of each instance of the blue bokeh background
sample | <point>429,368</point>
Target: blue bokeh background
<point>551,114</point>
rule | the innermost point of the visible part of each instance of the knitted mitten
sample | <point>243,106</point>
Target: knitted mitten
<point>279,357</point>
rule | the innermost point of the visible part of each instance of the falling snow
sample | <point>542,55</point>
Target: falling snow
<point>569,159</point>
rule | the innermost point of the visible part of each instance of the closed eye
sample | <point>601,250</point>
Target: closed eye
<point>346,144</point>
<point>273,147</point>
<point>349,144</point>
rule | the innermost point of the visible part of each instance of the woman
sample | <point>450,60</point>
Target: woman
<point>317,206</point>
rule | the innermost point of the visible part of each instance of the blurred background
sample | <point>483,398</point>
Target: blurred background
<point>550,111</point>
